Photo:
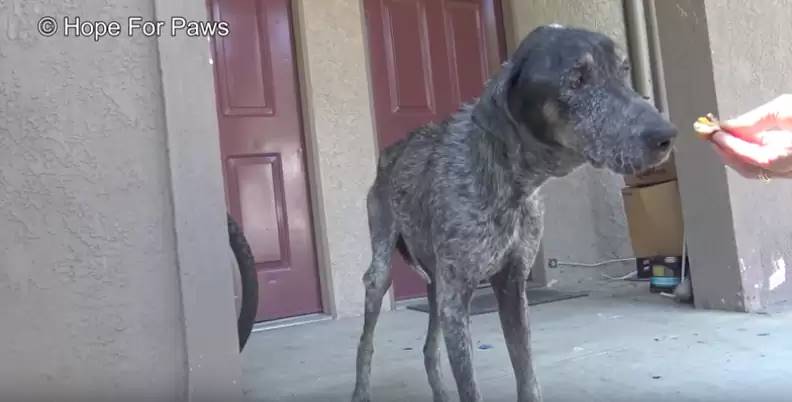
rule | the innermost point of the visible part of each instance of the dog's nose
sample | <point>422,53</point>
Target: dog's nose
<point>660,138</point>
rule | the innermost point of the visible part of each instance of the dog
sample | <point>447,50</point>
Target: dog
<point>458,199</point>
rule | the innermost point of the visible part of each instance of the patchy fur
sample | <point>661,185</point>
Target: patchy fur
<point>459,199</point>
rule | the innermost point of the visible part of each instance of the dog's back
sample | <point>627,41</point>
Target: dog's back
<point>418,142</point>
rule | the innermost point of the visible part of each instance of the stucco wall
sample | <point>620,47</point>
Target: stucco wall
<point>87,249</point>
<point>585,219</point>
<point>341,142</point>
<point>90,279</point>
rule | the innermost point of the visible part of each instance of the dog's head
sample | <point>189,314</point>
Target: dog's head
<point>570,89</point>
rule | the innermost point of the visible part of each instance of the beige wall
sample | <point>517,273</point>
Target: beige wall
<point>585,219</point>
<point>87,250</point>
<point>341,139</point>
<point>110,226</point>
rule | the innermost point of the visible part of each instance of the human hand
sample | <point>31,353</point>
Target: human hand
<point>759,143</point>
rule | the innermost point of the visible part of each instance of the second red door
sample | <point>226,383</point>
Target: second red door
<point>261,142</point>
<point>427,57</point>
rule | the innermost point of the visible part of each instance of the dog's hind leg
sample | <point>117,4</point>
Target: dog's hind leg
<point>454,296</point>
<point>431,348</point>
<point>377,279</point>
<point>509,285</point>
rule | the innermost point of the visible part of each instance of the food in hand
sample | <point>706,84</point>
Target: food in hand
<point>707,125</point>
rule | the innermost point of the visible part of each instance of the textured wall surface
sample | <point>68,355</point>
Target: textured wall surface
<point>89,286</point>
<point>585,219</point>
<point>752,64</point>
<point>341,137</point>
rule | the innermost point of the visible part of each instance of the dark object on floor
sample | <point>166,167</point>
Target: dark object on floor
<point>486,302</point>
<point>249,281</point>
<point>485,346</point>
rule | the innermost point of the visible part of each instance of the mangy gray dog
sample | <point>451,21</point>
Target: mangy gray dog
<point>458,199</point>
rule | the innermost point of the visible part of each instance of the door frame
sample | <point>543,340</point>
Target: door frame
<point>318,232</point>
<point>324,267</point>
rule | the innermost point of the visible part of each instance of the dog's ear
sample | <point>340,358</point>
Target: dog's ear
<point>507,92</point>
<point>504,92</point>
<point>499,95</point>
<point>520,94</point>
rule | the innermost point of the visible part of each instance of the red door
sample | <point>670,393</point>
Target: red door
<point>427,57</point>
<point>262,149</point>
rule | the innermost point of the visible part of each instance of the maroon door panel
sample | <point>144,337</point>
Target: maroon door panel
<point>261,143</point>
<point>408,65</point>
<point>427,57</point>
<point>473,52</point>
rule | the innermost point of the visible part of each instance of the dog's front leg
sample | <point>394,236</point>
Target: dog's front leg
<point>453,297</point>
<point>509,285</point>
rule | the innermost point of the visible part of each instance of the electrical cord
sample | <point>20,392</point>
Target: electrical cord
<point>553,262</point>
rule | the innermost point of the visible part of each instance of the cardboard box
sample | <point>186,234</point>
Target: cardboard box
<point>654,217</point>
<point>660,174</point>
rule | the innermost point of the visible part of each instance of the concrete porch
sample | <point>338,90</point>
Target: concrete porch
<point>621,343</point>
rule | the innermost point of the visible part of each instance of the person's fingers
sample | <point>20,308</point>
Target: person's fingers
<point>748,152</point>
<point>745,170</point>
<point>774,114</point>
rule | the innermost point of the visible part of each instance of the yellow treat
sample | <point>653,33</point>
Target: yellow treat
<point>705,126</point>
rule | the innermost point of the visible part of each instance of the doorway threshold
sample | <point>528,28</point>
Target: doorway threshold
<point>291,322</point>
<point>403,304</point>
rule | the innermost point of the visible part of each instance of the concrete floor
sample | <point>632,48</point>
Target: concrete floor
<point>619,344</point>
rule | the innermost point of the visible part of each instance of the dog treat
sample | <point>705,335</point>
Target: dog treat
<point>707,125</point>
